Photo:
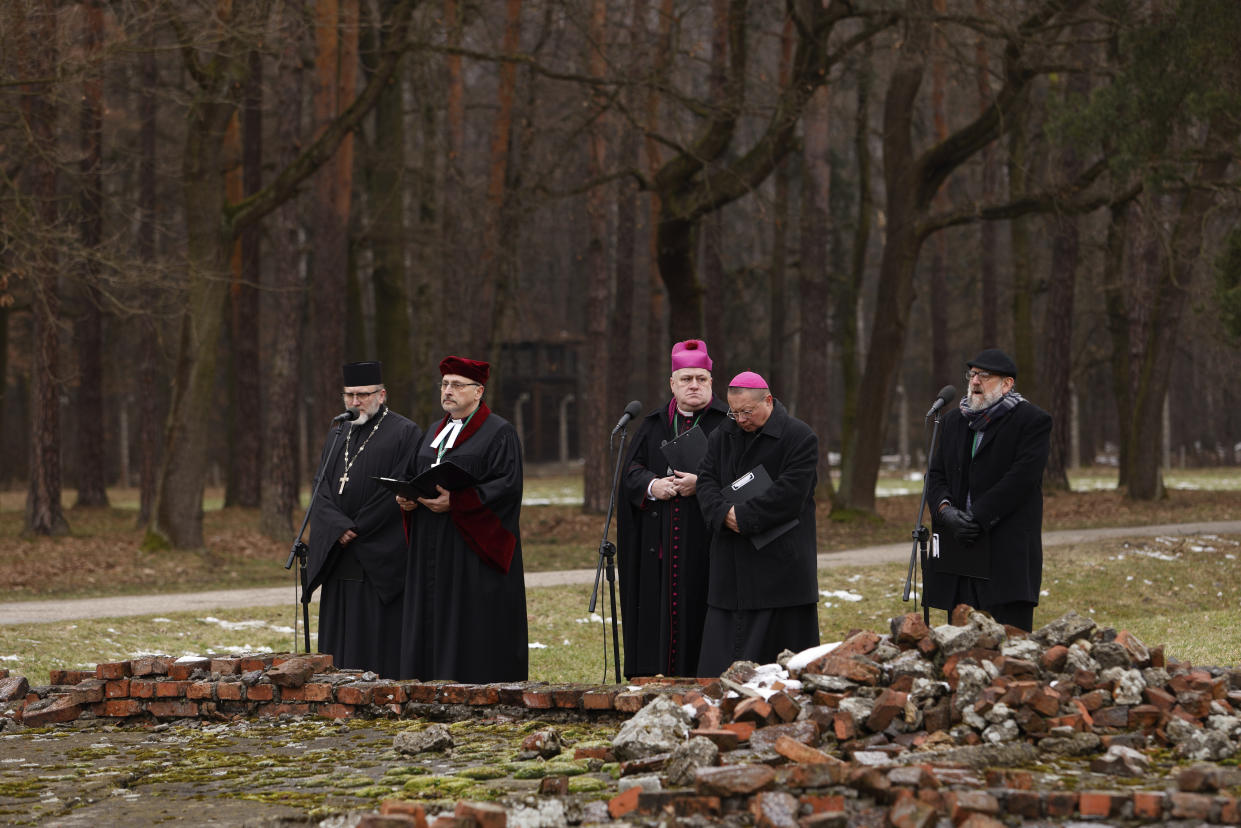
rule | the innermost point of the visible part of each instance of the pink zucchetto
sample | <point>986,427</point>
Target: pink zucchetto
<point>692,353</point>
<point>747,379</point>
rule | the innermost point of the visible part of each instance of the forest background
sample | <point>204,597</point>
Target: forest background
<point>207,207</point>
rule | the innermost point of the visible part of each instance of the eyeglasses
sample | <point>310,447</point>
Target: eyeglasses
<point>981,375</point>
<point>692,379</point>
<point>455,385</point>
<point>361,396</point>
<point>743,414</point>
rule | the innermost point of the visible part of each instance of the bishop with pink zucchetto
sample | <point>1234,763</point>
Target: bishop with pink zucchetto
<point>756,490</point>
<point>662,541</point>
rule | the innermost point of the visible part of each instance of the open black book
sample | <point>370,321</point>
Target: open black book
<point>954,557</point>
<point>685,453</point>
<point>447,474</point>
<point>749,485</point>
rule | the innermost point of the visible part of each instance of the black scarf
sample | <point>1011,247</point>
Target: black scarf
<point>979,420</point>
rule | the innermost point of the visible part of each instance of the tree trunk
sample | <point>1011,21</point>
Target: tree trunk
<point>1023,276</point>
<point>492,268</point>
<point>336,37</point>
<point>594,417</point>
<point>88,332</point>
<point>988,232</point>
<point>815,283</point>
<point>282,310</point>
<point>245,471</point>
<point>938,298</point>
<point>779,372</point>
<point>147,355</point>
<point>387,184</point>
<point>44,514</point>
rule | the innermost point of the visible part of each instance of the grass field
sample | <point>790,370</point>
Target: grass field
<point>1178,591</point>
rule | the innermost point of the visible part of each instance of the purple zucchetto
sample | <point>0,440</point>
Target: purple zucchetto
<point>692,353</point>
<point>747,379</point>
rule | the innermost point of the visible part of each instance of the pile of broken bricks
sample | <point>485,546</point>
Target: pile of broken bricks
<point>913,727</point>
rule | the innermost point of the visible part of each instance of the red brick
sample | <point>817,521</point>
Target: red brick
<point>112,670</point>
<point>733,780</point>
<point>282,708</point>
<point>173,709</point>
<point>451,693</point>
<point>1148,805</point>
<point>382,694</point>
<point>335,711</point>
<point>723,739</point>
<point>317,692</point>
<point>795,751</point>
<point>484,814</point>
<point>225,666</point>
<point>980,821</point>
<point>538,699</point>
<point>423,693</point>
<point>1099,804</point>
<point>1191,806</point>
<point>680,804</point>
<point>229,691</point>
<point>122,708</point>
<point>888,706</point>
<point>200,690</point>
<point>294,694</point>
<point>567,698</point>
<point>744,730</point>
<point>355,694</point>
<point>603,754</point>
<point>116,689</point>
<point>598,699</point>
<point>393,807</point>
<point>322,662</point>
<point>1229,810</point>
<point>622,804</point>
<point>909,629</point>
<point>911,813</point>
<point>88,691</point>
<point>774,809</point>
<point>484,694</point>
<point>1024,804</point>
<point>1061,804</point>
<point>150,665</point>
<point>630,701</point>
<point>860,643</point>
<point>261,692</point>
<point>170,689</point>
<point>250,663</point>
<point>823,803</point>
<point>183,668</point>
<point>855,668</point>
<point>142,689</point>
<point>1145,717</point>
<point>58,709</point>
<point>844,727</point>
<point>754,710</point>
<point>785,708</point>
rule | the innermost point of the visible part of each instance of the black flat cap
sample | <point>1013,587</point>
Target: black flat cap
<point>995,361</point>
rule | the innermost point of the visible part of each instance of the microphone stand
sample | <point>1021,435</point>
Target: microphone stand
<point>921,534</point>
<point>300,551</point>
<point>607,555</point>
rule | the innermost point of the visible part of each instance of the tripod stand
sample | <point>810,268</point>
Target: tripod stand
<point>607,559</point>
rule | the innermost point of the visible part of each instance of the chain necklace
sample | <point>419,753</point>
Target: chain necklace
<point>344,478</point>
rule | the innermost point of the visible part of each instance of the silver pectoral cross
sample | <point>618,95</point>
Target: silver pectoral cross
<point>344,478</point>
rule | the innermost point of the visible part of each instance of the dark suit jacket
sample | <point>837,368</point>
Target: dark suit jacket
<point>1005,481</point>
<point>782,573</point>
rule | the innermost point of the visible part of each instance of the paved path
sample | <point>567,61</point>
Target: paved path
<point>32,612</point>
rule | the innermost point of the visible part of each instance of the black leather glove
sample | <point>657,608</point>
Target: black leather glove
<point>961,523</point>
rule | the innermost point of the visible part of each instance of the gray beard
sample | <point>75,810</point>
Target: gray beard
<point>977,403</point>
<point>362,417</point>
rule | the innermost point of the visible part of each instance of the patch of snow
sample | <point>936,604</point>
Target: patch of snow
<point>842,594</point>
<point>799,661</point>
<point>535,645</point>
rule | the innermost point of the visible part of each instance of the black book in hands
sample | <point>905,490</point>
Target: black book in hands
<point>685,453</point>
<point>750,485</point>
<point>954,557</point>
<point>447,474</point>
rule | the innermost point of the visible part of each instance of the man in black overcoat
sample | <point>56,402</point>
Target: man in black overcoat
<point>763,591</point>
<point>986,479</point>
<point>357,542</point>
<point>662,541</point>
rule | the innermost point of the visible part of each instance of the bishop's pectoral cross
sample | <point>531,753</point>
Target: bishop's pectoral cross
<point>344,478</point>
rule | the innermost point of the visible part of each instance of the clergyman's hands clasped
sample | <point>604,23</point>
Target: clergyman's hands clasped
<point>961,523</point>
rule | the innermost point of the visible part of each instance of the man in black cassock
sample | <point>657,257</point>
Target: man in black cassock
<point>357,541</point>
<point>662,541</point>
<point>763,595</point>
<point>465,591</point>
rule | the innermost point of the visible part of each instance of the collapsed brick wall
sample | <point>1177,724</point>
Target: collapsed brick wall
<point>842,741</point>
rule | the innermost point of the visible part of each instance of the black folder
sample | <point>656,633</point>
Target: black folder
<point>750,485</point>
<point>447,474</point>
<point>685,453</point>
<point>973,561</point>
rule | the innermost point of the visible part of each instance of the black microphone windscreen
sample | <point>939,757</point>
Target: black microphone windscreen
<point>634,408</point>
<point>948,393</point>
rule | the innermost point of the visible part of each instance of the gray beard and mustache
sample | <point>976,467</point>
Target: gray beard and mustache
<point>362,417</point>
<point>979,402</point>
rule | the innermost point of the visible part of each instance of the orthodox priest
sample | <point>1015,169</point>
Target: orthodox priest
<point>465,592</point>
<point>357,542</point>
<point>663,543</point>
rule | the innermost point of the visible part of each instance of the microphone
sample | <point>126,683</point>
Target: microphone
<point>946,395</point>
<point>632,410</point>
<point>351,414</point>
